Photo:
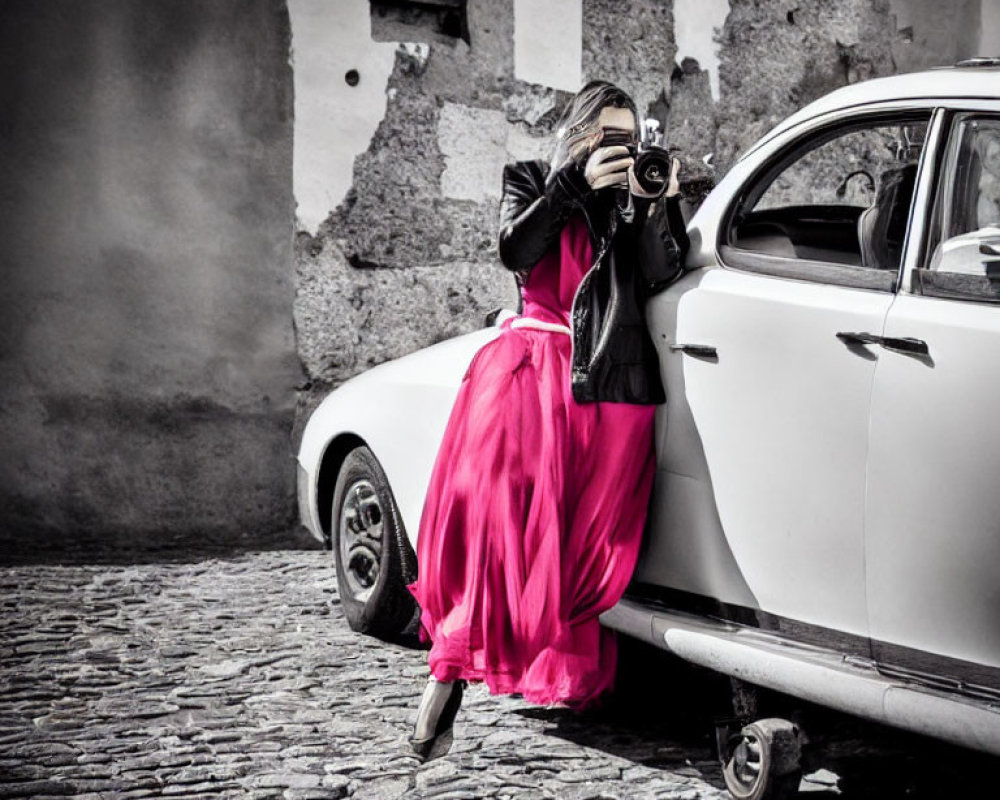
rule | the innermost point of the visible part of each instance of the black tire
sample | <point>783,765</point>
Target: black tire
<point>762,762</point>
<point>374,559</point>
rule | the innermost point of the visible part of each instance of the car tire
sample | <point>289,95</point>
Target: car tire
<point>374,559</point>
<point>762,762</point>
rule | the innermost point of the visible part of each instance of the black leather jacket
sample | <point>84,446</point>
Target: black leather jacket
<point>613,355</point>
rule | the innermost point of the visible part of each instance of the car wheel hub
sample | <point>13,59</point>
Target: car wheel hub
<point>746,761</point>
<point>361,526</point>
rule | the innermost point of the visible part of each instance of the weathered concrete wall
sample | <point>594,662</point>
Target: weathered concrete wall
<point>335,113</point>
<point>932,33</point>
<point>989,24</point>
<point>147,356</point>
<point>407,258</point>
<point>778,56</point>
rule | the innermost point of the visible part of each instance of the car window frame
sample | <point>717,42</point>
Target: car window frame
<point>948,286</point>
<point>811,271</point>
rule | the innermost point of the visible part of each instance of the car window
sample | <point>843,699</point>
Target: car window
<point>963,253</point>
<point>834,207</point>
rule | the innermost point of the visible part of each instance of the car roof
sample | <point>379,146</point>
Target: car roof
<point>944,83</point>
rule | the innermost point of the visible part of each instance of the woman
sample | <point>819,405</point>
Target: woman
<point>536,505</point>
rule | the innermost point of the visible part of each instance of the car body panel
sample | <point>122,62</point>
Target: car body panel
<point>783,393</point>
<point>817,674</point>
<point>683,497</point>
<point>932,512</point>
<point>932,543</point>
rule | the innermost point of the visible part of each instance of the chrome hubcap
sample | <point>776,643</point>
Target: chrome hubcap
<point>361,523</point>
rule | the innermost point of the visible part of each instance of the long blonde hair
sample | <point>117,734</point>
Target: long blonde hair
<point>579,119</point>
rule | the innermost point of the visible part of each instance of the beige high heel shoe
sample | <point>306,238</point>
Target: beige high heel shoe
<point>439,742</point>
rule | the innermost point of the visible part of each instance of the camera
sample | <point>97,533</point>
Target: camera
<point>652,160</point>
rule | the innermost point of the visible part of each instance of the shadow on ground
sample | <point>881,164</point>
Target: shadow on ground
<point>663,715</point>
<point>128,547</point>
<point>660,715</point>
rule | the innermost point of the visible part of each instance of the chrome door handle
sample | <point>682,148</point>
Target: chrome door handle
<point>901,344</point>
<point>851,337</point>
<point>906,344</point>
<point>697,350</point>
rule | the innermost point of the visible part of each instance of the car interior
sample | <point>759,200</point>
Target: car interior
<point>843,199</point>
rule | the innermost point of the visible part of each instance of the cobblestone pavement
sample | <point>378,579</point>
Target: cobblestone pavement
<point>237,676</point>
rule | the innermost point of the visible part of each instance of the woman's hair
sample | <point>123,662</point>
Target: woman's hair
<point>579,119</point>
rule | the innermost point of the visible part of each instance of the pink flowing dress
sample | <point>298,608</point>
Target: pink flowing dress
<point>535,509</point>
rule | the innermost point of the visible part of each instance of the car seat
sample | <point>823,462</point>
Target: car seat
<point>882,226</point>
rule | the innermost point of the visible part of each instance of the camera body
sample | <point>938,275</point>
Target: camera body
<point>652,160</point>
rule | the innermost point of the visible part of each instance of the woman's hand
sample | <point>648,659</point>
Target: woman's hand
<point>608,167</point>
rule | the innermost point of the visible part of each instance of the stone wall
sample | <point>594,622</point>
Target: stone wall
<point>780,55</point>
<point>147,354</point>
<point>407,258</point>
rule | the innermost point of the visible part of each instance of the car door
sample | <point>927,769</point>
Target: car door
<point>759,499</point>
<point>933,507</point>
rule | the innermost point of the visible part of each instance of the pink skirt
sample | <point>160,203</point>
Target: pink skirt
<point>532,525</point>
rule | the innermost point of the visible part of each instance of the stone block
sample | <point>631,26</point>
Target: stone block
<point>631,43</point>
<point>473,143</point>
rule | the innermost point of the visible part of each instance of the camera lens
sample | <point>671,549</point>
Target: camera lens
<point>652,169</point>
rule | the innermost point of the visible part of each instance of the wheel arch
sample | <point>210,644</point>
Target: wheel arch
<point>399,411</point>
<point>330,464</point>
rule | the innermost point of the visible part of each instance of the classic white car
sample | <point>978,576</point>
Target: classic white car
<point>826,514</point>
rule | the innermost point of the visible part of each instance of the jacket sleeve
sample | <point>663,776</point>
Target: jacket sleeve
<point>663,244</point>
<point>533,211</point>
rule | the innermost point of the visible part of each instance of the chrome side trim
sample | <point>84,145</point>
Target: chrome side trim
<point>815,674</point>
<point>920,209</point>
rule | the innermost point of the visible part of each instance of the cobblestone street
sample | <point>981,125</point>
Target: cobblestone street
<point>237,676</point>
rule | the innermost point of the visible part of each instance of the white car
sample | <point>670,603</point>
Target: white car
<point>826,514</point>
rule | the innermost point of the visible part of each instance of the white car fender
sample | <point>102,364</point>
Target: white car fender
<point>399,410</point>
